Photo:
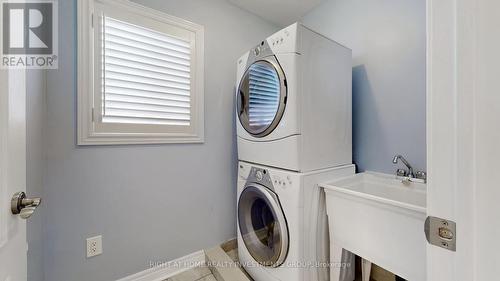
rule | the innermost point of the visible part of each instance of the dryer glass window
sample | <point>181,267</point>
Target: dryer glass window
<point>264,95</point>
<point>263,227</point>
<point>261,97</point>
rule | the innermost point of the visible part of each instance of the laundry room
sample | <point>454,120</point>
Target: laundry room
<point>238,140</point>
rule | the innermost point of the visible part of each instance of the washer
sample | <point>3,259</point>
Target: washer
<point>281,221</point>
<point>294,102</point>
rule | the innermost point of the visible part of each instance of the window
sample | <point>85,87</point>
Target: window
<point>140,75</point>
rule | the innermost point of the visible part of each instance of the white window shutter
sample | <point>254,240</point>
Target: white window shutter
<point>146,76</point>
<point>140,75</point>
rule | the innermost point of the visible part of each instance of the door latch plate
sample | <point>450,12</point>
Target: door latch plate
<point>441,232</point>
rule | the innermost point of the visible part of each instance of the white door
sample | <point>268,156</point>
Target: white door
<point>463,115</point>
<point>13,246</point>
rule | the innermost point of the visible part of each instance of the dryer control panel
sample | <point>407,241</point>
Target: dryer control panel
<point>285,40</point>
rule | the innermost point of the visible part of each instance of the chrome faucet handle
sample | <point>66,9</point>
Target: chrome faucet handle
<point>421,175</point>
<point>401,173</point>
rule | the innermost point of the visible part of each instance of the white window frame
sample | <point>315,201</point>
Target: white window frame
<point>90,129</point>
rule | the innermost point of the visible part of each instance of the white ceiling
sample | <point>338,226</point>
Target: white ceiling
<point>281,12</point>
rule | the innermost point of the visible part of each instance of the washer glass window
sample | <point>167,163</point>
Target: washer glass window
<point>262,96</point>
<point>263,226</point>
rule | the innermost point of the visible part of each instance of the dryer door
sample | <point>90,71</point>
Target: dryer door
<point>262,97</point>
<point>263,225</point>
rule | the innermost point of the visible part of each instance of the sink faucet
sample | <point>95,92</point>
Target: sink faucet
<point>410,168</point>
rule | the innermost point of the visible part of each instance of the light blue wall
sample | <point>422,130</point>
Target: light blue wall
<point>388,39</point>
<point>150,202</point>
<point>159,202</point>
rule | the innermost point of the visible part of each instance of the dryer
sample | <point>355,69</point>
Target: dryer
<point>281,223</point>
<point>294,102</point>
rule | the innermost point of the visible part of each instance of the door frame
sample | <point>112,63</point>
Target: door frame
<point>13,239</point>
<point>451,75</point>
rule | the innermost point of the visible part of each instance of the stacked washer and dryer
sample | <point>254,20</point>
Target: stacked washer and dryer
<point>294,131</point>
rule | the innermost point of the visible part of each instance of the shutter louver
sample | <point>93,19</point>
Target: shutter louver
<point>264,95</point>
<point>146,76</point>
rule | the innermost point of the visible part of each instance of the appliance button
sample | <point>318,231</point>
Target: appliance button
<point>256,51</point>
<point>259,175</point>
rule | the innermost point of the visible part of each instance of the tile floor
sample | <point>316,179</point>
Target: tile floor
<point>231,250</point>
<point>226,252</point>
<point>195,274</point>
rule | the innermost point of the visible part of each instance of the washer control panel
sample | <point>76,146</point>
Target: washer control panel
<point>260,176</point>
<point>264,177</point>
<point>243,171</point>
<point>282,182</point>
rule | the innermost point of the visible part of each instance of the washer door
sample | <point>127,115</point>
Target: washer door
<point>262,97</point>
<point>262,225</point>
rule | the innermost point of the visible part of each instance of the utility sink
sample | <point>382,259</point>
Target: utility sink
<point>380,218</point>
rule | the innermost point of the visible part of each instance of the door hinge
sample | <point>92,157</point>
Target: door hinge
<point>93,115</point>
<point>92,20</point>
<point>441,232</point>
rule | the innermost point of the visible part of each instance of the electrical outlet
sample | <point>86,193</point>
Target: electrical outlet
<point>94,246</point>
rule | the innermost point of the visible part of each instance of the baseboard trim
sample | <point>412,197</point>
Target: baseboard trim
<point>168,269</point>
